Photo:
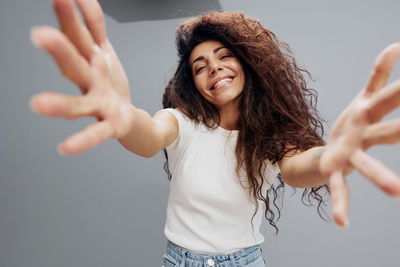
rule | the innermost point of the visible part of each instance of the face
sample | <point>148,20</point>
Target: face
<point>217,73</point>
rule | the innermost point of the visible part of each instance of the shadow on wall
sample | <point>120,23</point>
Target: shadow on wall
<point>139,10</point>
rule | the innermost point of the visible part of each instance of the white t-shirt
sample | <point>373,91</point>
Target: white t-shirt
<point>208,210</point>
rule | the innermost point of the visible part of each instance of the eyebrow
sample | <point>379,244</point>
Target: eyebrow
<point>214,51</point>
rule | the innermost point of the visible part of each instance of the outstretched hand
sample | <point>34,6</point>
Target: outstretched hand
<point>85,56</point>
<point>360,127</point>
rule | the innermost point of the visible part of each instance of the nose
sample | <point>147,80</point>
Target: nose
<point>214,68</point>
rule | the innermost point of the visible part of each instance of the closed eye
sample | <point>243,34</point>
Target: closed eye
<point>199,69</point>
<point>225,56</point>
<point>222,57</point>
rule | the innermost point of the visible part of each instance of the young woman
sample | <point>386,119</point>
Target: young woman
<point>237,113</point>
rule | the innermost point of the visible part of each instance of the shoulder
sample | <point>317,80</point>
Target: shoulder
<point>184,125</point>
<point>177,115</point>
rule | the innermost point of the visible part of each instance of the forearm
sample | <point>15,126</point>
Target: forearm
<point>142,137</point>
<point>302,169</point>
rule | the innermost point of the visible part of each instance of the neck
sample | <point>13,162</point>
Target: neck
<point>229,117</point>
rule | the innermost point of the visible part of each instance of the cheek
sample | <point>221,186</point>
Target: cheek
<point>237,67</point>
<point>200,84</point>
<point>242,77</point>
<point>243,81</point>
<point>196,83</point>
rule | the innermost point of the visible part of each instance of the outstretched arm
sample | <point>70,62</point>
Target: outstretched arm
<point>85,56</point>
<point>302,169</point>
<point>357,128</point>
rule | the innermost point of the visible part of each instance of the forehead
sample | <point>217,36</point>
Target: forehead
<point>204,48</point>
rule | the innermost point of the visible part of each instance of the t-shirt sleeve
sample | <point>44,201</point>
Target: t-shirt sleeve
<point>177,149</point>
<point>183,122</point>
<point>273,172</point>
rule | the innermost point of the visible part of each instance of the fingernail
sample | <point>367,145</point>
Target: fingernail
<point>60,151</point>
<point>346,223</point>
<point>31,104</point>
<point>34,40</point>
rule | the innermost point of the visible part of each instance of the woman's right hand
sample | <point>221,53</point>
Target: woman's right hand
<point>85,56</point>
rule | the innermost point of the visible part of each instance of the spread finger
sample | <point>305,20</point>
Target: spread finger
<point>65,106</point>
<point>377,173</point>
<point>94,19</point>
<point>382,68</point>
<point>72,65</point>
<point>72,26</point>
<point>384,101</point>
<point>387,132</point>
<point>340,198</point>
<point>90,137</point>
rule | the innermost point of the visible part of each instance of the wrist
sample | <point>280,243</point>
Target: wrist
<point>127,121</point>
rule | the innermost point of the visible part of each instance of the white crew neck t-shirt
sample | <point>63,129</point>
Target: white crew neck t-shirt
<point>208,210</point>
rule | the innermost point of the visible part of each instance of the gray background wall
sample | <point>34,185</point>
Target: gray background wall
<point>106,207</point>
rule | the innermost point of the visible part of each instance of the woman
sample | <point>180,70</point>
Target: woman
<point>237,109</point>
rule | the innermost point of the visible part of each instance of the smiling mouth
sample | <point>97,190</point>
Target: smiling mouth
<point>222,83</point>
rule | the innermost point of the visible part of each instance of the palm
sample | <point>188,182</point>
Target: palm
<point>346,136</point>
<point>359,127</point>
<point>86,57</point>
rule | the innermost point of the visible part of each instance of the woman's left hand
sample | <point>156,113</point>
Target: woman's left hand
<point>358,128</point>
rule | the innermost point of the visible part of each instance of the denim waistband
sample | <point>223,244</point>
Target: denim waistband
<point>243,256</point>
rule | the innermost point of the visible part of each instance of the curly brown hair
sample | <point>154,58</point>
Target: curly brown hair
<point>277,110</point>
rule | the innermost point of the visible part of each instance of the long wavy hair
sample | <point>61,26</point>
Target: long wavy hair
<point>277,110</point>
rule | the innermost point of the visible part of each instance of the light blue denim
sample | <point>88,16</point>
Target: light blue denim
<point>180,257</point>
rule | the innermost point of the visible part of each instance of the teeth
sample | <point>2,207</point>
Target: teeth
<point>221,82</point>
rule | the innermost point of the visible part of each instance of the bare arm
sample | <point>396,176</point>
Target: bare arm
<point>150,135</point>
<point>357,128</point>
<point>301,169</point>
<point>85,56</point>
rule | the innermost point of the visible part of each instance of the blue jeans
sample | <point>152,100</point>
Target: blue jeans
<point>180,257</point>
